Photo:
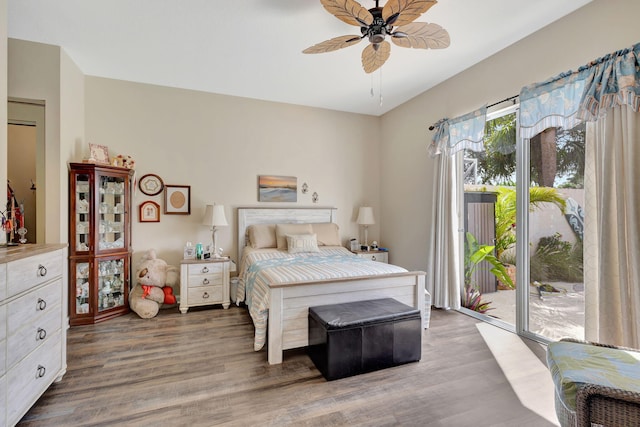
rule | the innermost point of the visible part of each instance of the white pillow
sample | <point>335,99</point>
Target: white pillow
<point>282,230</point>
<point>297,243</point>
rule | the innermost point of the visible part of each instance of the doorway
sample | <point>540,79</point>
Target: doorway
<point>26,163</point>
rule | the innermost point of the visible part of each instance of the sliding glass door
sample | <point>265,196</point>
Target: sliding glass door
<point>554,160</point>
<point>523,220</point>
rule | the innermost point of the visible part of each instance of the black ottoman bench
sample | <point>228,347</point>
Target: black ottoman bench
<point>363,336</point>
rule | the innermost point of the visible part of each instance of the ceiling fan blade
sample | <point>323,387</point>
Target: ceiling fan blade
<point>333,44</point>
<point>405,11</point>
<point>421,35</point>
<point>375,55</point>
<point>349,11</point>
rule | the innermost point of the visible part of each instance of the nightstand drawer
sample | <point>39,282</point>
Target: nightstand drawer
<point>205,295</point>
<point>205,268</point>
<point>375,256</point>
<point>205,280</point>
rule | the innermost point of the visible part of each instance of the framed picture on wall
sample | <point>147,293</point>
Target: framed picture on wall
<point>273,188</point>
<point>151,184</point>
<point>149,211</point>
<point>177,199</point>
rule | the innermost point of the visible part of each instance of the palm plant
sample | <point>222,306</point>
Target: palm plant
<point>505,211</point>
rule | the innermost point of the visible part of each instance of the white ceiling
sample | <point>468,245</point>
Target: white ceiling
<point>252,48</point>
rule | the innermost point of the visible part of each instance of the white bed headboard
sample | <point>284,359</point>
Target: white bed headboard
<point>250,216</point>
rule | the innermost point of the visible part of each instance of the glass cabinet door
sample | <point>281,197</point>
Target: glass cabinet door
<point>111,209</point>
<point>82,275</point>
<point>82,212</point>
<point>111,283</point>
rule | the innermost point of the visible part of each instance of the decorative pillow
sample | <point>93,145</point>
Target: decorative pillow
<point>328,234</point>
<point>282,230</point>
<point>297,243</point>
<point>262,236</point>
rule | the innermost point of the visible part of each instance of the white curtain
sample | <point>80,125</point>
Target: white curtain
<point>606,94</point>
<point>612,228</point>
<point>443,272</point>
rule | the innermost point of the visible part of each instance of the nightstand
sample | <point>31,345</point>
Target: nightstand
<point>379,256</point>
<point>204,282</point>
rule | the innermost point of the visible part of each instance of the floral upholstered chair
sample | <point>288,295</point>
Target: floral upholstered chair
<point>595,384</point>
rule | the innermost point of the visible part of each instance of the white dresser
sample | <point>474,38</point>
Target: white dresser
<point>33,309</point>
<point>204,282</point>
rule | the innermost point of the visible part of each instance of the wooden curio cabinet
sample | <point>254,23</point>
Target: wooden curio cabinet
<point>99,242</point>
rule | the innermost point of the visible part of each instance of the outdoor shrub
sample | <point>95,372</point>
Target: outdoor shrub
<point>472,299</point>
<point>557,260</point>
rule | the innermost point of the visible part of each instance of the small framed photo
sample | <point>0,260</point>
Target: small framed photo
<point>149,211</point>
<point>151,184</point>
<point>177,199</point>
<point>99,154</point>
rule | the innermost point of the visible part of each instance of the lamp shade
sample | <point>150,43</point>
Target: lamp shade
<point>214,216</point>
<point>365,216</point>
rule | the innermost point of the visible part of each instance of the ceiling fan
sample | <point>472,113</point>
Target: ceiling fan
<point>395,19</point>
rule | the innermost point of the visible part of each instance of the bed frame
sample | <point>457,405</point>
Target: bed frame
<point>289,304</point>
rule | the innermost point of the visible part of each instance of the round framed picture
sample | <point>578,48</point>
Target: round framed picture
<point>151,184</point>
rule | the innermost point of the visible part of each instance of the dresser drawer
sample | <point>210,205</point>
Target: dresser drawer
<point>28,272</point>
<point>3,281</point>
<point>30,336</point>
<point>205,295</point>
<point>31,377</point>
<point>36,303</point>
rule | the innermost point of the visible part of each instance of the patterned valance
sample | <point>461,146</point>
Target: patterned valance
<point>464,132</point>
<point>583,95</point>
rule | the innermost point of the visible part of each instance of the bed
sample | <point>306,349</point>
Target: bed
<point>280,284</point>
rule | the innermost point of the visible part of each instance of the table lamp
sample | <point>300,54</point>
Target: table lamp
<point>365,217</point>
<point>214,217</point>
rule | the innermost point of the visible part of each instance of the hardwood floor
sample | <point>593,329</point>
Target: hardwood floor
<point>199,369</point>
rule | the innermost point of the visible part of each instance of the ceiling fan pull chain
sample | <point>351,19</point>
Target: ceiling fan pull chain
<point>372,85</point>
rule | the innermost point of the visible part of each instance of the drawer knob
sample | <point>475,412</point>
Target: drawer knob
<point>42,270</point>
<point>373,258</point>
<point>41,371</point>
<point>205,295</point>
<point>205,269</point>
<point>42,304</point>
<point>205,281</point>
<point>41,334</point>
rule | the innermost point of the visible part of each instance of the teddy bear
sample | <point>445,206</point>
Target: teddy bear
<point>154,288</point>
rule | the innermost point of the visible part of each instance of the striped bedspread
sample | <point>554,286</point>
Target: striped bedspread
<point>260,268</point>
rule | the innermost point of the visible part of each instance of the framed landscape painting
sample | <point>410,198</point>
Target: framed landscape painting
<point>272,188</point>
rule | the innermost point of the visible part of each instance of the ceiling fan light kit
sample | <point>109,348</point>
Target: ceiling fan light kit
<point>377,23</point>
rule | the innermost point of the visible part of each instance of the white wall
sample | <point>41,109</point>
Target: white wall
<point>44,72</point>
<point>598,28</point>
<point>220,144</point>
